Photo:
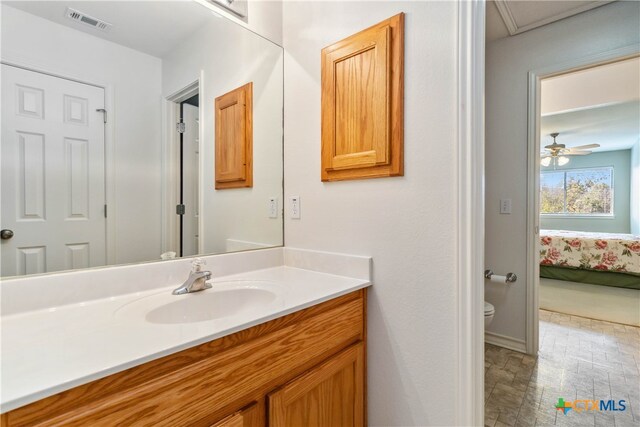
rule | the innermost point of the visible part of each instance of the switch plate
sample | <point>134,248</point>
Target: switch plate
<point>273,207</point>
<point>295,207</point>
<point>505,206</point>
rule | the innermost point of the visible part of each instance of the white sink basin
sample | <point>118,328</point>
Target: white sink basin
<point>224,299</point>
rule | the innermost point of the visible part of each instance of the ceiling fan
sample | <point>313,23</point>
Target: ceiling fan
<point>558,153</point>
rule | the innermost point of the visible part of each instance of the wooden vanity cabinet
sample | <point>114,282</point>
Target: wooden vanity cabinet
<point>306,368</point>
<point>331,394</point>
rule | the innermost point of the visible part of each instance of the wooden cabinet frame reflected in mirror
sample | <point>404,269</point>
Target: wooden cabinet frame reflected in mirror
<point>234,138</point>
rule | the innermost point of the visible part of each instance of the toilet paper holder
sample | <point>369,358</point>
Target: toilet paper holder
<point>509,278</point>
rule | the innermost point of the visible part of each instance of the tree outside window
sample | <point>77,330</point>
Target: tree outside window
<point>577,192</point>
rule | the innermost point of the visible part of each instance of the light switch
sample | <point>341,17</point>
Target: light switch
<point>295,207</point>
<point>505,206</point>
<point>273,207</point>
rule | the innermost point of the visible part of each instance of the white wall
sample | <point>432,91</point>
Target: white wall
<point>407,224</point>
<point>608,84</point>
<point>508,61</point>
<point>265,18</point>
<point>231,56</point>
<point>635,189</point>
<point>134,78</point>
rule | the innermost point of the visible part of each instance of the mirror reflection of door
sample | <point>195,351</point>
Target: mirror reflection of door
<point>53,167</point>
<point>60,164</point>
<point>189,176</point>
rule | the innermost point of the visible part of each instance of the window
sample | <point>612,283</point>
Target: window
<point>577,192</point>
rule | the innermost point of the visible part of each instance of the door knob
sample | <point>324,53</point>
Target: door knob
<point>6,234</point>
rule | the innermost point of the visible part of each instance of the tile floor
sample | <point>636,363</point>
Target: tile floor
<point>579,358</point>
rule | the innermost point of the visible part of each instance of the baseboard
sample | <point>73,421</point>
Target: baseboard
<point>504,341</point>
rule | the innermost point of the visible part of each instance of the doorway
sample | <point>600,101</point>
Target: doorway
<point>590,136</point>
<point>523,386</point>
<point>568,354</point>
<point>189,176</point>
<point>181,191</point>
<point>563,231</point>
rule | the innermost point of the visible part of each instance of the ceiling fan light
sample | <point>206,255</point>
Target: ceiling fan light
<point>562,160</point>
<point>545,161</point>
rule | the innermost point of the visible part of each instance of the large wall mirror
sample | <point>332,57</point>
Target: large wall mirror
<point>135,131</point>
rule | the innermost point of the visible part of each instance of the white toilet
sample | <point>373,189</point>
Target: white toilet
<point>489,311</point>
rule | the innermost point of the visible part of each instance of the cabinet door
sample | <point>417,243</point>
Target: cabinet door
<point>331,394</point>
<point>247,417</point>
<point>234,138</point>
<point>362,104</point>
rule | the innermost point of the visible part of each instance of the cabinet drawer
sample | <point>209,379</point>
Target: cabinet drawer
<point>247,417</point>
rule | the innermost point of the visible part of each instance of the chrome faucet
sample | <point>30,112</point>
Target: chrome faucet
<point>197,280</point>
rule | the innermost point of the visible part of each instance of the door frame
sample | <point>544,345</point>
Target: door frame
<point>470,227</point>
<point>171,166</point>
<point>109,139</point>
<point>533,173</point>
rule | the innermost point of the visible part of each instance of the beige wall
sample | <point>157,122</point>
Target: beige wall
<point>508,62</point>
<point>407,224</point>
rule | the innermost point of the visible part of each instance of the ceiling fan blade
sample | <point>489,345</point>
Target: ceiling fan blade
<point>576,153</point>
<point>584,147</point>
<point>543,155</point>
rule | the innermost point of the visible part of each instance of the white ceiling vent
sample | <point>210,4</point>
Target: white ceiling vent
<point>85,19</point>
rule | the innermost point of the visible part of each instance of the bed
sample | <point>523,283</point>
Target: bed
<point>605,259</point>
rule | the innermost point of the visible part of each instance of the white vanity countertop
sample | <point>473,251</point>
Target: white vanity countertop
<point>47,351</point>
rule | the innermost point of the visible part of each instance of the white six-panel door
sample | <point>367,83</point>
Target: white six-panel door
<point>53,173</point>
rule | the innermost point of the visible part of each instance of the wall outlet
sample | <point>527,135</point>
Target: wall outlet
<point>294,202</point>
<point>273,207</point>
<point>505,206</point>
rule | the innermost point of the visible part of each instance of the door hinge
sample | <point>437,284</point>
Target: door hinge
<point>180,127</point>
<point>104,114</point>
<point>105,211</point>
<point>180,209</point>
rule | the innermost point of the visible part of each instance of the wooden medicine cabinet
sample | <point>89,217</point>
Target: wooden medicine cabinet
<point>362,103</point>
<point>234,138</point>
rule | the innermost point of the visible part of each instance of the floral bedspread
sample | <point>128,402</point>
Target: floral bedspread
<point>590,251</point>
